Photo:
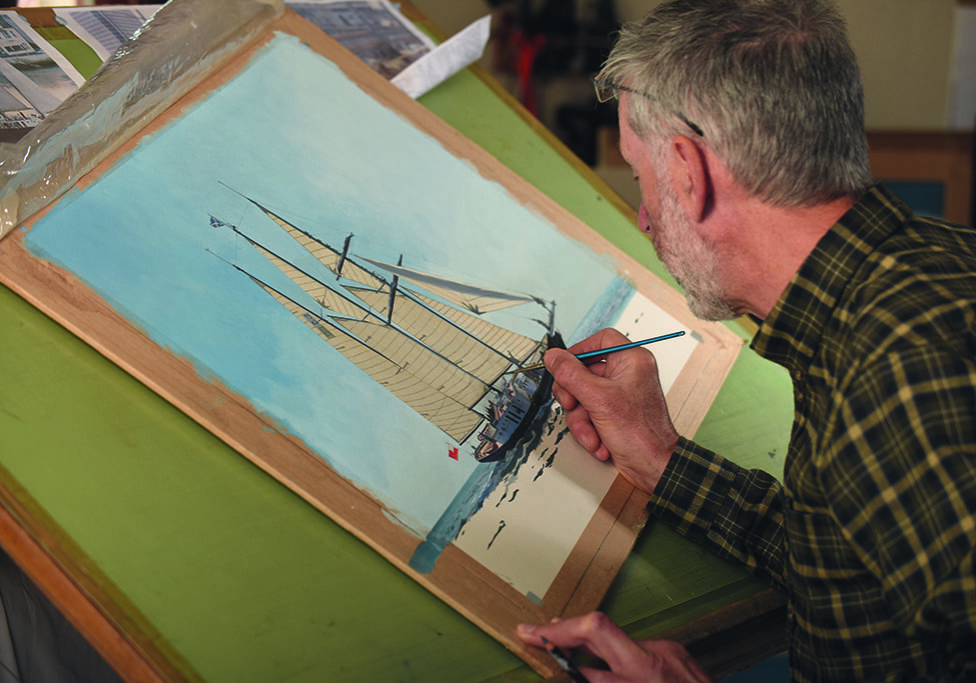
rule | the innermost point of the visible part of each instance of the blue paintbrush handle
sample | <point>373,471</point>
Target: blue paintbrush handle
<point>631,345</point>
<point>603,352</point>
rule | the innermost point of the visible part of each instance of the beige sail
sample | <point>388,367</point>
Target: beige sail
<point>512,344</point>
<point>325,296</point>
<point>454,418</point>
<point>401,349</point>
<point>480,347</point>
<point>327,255</point>
<point>470,297</point>
<point>435,371</point>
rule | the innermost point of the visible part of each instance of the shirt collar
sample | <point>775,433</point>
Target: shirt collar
<point>791,334</point>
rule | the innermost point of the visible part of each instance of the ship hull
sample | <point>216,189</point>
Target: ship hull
<point>540,397</point>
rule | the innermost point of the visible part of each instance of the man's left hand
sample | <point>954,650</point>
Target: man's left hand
<point>630,661</point>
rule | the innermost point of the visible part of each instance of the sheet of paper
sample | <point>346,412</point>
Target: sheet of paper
<point>458,52</point>
<point>371,29</point>
<point>383,38</point>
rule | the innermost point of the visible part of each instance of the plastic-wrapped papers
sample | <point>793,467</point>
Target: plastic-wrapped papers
<point>183,42</point>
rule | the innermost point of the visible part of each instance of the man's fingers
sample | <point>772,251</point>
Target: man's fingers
<point>580,426</point>
<point>595,632</point>
<point>563,397</point>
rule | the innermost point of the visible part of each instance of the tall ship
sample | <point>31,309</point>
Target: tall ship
<point>421,336</point>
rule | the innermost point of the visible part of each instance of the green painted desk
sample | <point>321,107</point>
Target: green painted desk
<point>139,521</point>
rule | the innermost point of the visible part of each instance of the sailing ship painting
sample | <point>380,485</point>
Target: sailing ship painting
<point>369,371</point>
<point>425,341</point>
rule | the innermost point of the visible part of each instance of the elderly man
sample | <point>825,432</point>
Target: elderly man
<point>743,123</point>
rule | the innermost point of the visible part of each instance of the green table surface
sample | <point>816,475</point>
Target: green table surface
<point>237,578</point>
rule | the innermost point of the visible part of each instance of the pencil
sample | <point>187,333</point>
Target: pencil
<point>603,352</point>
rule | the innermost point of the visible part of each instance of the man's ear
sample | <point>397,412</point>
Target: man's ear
<point>690,176</point>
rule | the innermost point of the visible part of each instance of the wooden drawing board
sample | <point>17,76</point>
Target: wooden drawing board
<point>31,265</point>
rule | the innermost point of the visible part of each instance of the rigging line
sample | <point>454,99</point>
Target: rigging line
<point>335,323</point>
<point>274,216</point>
<point>342,296</point>
<point>324,319</point>
<point>244,196</point>
<point>368,311</point>
<point>420,302</point>
<point>344,257</point>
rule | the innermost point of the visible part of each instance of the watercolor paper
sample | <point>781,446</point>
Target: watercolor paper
<point>150,237</point>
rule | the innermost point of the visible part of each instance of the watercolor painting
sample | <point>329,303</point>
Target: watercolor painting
<point>284,235</point>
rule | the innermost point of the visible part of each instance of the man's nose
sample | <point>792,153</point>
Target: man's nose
<point>643,220</point>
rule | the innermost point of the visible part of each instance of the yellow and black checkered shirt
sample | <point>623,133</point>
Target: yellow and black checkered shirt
<point>872,533</point>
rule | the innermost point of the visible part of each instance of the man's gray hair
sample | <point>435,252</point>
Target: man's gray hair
<point>772,85</point>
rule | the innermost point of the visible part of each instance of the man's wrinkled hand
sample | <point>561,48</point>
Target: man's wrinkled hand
<point>629,660</point>
<point>615,408</point>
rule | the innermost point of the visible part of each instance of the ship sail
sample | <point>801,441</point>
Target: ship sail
<point>321,293</point>
<point>480,347</point>
<point>455,418</point>
<point>406,352</point>
<point>327,256</point>
<point>417,359</point>
<point>513,344</point>
<point>473,298</point>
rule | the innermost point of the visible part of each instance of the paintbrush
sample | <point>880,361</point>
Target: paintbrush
<point>599,353</point>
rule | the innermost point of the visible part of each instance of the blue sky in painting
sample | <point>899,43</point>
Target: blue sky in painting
<point>292,132</point>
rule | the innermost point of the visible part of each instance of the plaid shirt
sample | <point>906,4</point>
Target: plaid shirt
<point>872,533</point>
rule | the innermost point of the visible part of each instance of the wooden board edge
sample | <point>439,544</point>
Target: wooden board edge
<point>87,599</point>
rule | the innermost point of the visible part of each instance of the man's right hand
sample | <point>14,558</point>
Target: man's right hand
<point>615,409</point>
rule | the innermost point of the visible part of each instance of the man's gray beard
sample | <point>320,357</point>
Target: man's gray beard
<point>691,262</point>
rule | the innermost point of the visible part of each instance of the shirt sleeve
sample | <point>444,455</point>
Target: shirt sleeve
<point>899,465</point>
<point>735,512</point>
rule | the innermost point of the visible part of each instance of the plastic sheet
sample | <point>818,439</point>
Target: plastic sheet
<point>178,47</point>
